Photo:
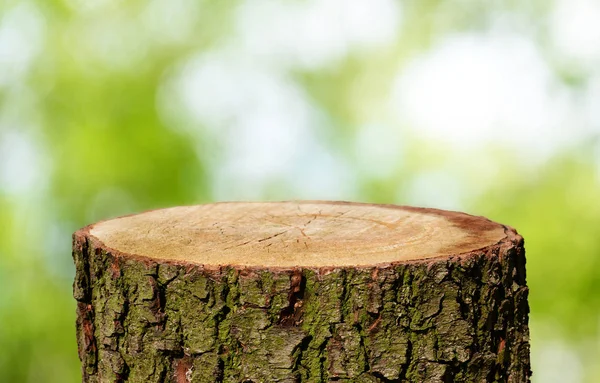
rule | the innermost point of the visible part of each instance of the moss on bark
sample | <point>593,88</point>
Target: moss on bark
<point>453,319</point>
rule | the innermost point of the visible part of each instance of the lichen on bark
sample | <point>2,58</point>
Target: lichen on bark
<point>453,319</point>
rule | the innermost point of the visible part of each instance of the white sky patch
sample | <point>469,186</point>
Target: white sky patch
<point>20,164</point>
<point>473,90</point>
<point>269,144</point>
<point>243,98</point>
<point>575,30</point>
<point>436,189</point>
<point>217,87</point>
<point>116,41</point>
<point>320,174</point>
<point>170,21</point>
<point>596,159</point>
<point>21,39</point>
<point>311,34</point>
<point>311,172</point>
<point>265,141</point>
<point>591,104</point>
<point>586,116</point>
<point>89,7</point>
<point>379,150</point>
<point>555,362</point>
<point>264,125</point>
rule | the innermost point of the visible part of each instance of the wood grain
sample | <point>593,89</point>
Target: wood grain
<point>296,234</point>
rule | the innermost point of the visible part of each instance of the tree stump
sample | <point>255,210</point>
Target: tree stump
<point>301,292</point>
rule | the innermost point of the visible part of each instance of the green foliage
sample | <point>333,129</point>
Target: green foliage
<point>87,94</point>
<point>558,214</point>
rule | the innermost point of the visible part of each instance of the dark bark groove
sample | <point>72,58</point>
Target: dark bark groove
<point>456,319</point>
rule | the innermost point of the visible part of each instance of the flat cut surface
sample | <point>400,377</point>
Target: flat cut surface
<point>296,234</point>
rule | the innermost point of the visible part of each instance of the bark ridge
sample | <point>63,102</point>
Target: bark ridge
<point>452,319</point>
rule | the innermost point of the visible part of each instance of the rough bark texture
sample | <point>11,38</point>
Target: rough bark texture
<point>451,319</point>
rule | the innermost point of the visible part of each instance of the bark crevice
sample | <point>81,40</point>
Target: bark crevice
<point>457,320</point>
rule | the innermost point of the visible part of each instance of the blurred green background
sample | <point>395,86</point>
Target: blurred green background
<point>111,107</point>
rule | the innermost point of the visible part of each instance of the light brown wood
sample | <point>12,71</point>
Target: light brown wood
<point>296,234</point>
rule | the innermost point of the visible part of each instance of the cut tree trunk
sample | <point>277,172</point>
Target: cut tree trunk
<point>301,292</point>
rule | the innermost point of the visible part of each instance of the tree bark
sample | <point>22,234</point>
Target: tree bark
<point>440,316</point>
